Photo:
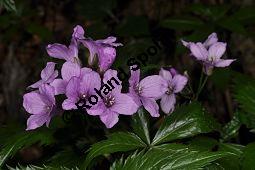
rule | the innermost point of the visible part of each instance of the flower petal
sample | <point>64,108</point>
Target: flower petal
<point>167,103</point>
<point>212,38</point>
<point>179,82</point>
<point>108,75</point>
<point>106,56</point>
<point>198,51</point>
<point>59,86</point>
<point>98,109</point>
<point>73,87</point>
<point>124,104</point>
<point>90,81</point>
<point>35,121</point>
<point>78,32</point>
<point>151,106</point>
<point>48,71</point>
<point>153,86</point>
<point>185,43</point>
<point>109,41</point>
<point>47,92</point>
<point>37,84</point>
<point>109,119</point>
<point>217,50</point>
<point>33,103</point>
<point>224,63</point>
<point>69,104</point>
<point>93,49</point>
<point>69,70</point>
<point>135,97</point>
<point>165,74</point>
<point>59,51</point>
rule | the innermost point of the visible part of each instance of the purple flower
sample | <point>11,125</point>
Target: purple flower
<point>68,70</point>
<point>113,103</point>
<point>41,104</point>
<point>212,57</point>
<point>104,49</point>
<point>48,74</point>
<point>147,91</point>
<point>211,39</point>
<point>175,84</point>
<point>69,53</point>
<point>80,88</point>
<point>78,32</point>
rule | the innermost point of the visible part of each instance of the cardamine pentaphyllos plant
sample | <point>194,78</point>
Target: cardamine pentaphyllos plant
<point>78,81</point>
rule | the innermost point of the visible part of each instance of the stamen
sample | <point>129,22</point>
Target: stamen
<point>169,90</point>
<point>83,96</point>
<point>109,101</point>
<point>138,89</point>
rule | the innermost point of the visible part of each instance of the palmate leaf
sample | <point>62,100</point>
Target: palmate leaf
<point>184,24</point>
<point>244,90</point>
<point>33,167</point>
<point>8,4</point>
<point>116,142</point>
<point>24,139</point>
<point>140,125</point>
<point>231,129</point>
<point>208,144</point>
<point>248,157</point>
<point>186,121</point>
<point>169,156</point>
<point>67,158</point>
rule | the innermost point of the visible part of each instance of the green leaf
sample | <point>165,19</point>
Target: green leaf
<point>116,142</point>
<point>169,156</point>
<point>133,26</point>
<point>245,15</point>
<point>67,158</point>
<point>244,92</point>
<point>8,5</point>
<point>186,121</point>
<point>232,24</point>
<point>248,157</point>
<point>33,167</point>
<point>140,125</point>
<point>21,140</point>
<point>182,24</point>
<point>212,11</point>
<point>231,129</point>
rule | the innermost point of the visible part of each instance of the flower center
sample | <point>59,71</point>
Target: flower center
<point>109,101</point>
<point>211,59</point>
<point>48,108</point>
<point>138,89</point>
<point>170,90</point>
<point>83,96</point>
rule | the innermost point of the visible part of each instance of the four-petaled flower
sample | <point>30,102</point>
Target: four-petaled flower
<point>80,88</point>
<point>69,53</point>
<point>209,53</point>
<point>147,91</point>
<point>175,84</point>
<point>48,74</point>
<point>212,57</point>
<point>41,104</point>
<point>68,70</point>
<point>113,104</point>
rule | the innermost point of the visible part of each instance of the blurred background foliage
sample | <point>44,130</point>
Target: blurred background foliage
<point>28,26</point>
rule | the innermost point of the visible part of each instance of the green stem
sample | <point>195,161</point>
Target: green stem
<point>201,86</point>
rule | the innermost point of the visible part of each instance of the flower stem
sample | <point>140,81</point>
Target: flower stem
<point>202,81</point>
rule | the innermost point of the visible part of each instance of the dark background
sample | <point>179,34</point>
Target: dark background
<point>26,32</point>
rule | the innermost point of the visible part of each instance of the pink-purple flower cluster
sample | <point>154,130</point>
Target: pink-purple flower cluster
<point>209,53</point>
<point>78,83</point>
